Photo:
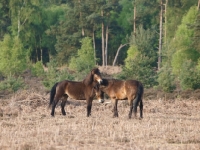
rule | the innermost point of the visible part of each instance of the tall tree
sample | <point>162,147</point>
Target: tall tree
<point>175,11</point>
<point>94,19</point>
<point>28,25</point>
<point>107,9</point>
<point>78,62</point>
<point>12,56</point>
<point>182,43</point>
<point>196,39</point>
<point>141,56</point>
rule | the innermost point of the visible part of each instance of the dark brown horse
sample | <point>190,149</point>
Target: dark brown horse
<point>131,90</point>
<point>84,90</point>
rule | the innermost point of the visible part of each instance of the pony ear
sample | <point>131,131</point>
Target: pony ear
<point>93,71</point>
<point>89,78</point>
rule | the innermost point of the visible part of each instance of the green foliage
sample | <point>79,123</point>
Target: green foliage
<point>176,9</point>
<point>84,61</point>
<point>126,15</point>
<point>144,41</point>
<point>182,43</point>
<point>47,30</point>
<point>11,84</point>
<point>4,13</point>
<point>131,54</point>
<point>196,39</point>
<point>53,75</point>
<point>141,57</point>
<point>189,76</point>
<point>37,69</point>
<point>184,33</point>
<point>68,34</point>
<point>139,69</point>
<point>180,57</point>
<point>54,14</point>
<point>12,56</point>
<point>166,79</point>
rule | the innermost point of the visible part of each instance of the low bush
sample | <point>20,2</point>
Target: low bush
<point>11,84</point>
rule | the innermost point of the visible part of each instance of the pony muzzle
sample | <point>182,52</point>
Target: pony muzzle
<point>100,81</point>
<point>101,100</point>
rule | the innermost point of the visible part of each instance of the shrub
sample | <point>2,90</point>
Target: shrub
<point>11,84</point>
<point>141,58</point>
<point>53,75</point>
<point>140,70</point>
<point>37,69</point>
<point>189,76</point>
<point>166,79</point>
<point>12,56</point>
<point>84,61</point>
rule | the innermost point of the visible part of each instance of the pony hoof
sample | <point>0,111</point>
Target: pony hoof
<point>89,115</point>
<point>52,114</point>
<point>64,114</point>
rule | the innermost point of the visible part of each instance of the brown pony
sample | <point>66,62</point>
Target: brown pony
<point>123,90</point>
<point>85,89</point>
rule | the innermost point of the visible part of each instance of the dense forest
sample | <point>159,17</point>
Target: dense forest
<point>154,41</point>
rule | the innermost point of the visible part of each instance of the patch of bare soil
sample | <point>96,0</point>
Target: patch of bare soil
<point>108,71</point>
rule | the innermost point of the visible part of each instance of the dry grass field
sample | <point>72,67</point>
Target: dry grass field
<point>171,122</point>
<point>168,124</point>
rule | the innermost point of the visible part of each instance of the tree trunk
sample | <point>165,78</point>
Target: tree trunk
<point>94,46</point>
<point>81,20</point>
<point>120,47</point>
<point>83,32</point>
<point>103,43</point>
<point>166,3</point>
<point>160,37</point>
<point>41,51</point>
<point>18,26</point>
<point>198,5</point>
<point>134,18</point>
<point>106,48</point>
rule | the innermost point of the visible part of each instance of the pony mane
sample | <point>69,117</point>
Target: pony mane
<point>89,78</point>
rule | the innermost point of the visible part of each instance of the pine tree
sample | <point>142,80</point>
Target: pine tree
<point>12,56</point>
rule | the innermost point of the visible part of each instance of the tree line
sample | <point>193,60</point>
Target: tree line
<point>154,41</point>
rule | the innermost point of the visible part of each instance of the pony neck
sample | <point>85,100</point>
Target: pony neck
<point>88,80</point>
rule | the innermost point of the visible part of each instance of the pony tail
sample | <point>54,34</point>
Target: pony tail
<point>138,98</point>
<point>52,93</point>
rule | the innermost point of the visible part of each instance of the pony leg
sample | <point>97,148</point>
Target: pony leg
<point>141,109</point>
<point>135,110</point>
<point>89,107</point>
<point>130,101</point>
<point>63,105</point>
<point>114,101</point>
<point>56,99</point>
<point>54,106</point>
